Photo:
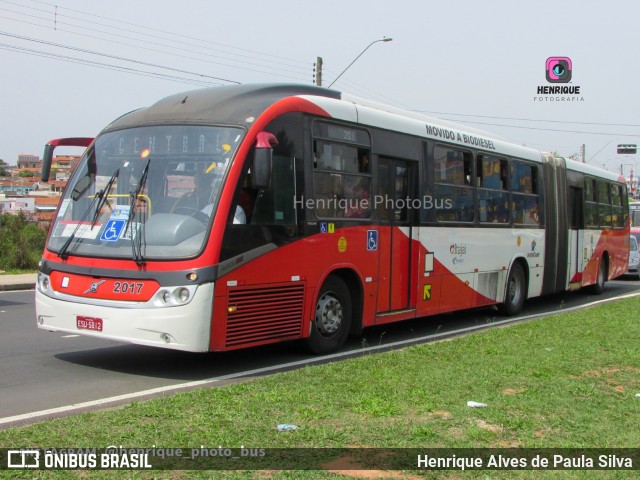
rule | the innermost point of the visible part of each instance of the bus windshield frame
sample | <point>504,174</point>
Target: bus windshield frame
<point>145,193</point>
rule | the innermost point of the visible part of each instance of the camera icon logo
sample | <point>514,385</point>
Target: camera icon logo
<point>558,69</point>
<point>23,459</point>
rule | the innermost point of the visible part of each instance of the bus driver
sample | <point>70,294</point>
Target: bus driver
<point>199,199</point>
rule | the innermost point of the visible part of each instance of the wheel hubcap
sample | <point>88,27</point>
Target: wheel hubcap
<point>328,315</point>
<point>514,290</point>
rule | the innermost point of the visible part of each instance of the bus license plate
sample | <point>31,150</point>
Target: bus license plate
<point>89,323</point>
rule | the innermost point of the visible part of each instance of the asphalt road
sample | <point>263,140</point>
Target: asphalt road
<point>41,370</point>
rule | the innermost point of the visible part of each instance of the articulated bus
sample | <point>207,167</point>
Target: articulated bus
<point>323,214</point>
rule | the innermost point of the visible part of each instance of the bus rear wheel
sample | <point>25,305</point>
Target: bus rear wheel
<point>516,291</point>
<point>332,318</point>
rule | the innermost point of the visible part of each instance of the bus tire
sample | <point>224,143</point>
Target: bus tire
<point>516,291</point>
<point>332,320</point>
<point>598,287</point>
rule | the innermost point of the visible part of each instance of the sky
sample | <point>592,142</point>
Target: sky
<point>70,67</point>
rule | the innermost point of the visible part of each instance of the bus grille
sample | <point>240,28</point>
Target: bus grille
<point>261,315</point>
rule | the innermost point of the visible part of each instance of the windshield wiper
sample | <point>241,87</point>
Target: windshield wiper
<point>98,200</point>
<point>138,238</point>
<point>103,195</point>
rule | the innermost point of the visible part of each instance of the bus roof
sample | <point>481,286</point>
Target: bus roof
<point>228,105</point>
<point>234,104</point>
<point>595,171</point>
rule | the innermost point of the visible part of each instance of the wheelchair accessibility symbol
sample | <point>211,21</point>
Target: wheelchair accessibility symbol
<point>372,240</point>
<point>112,230</point>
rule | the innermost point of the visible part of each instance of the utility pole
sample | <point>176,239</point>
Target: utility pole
<point>317,72</point>
<point>584,153</point>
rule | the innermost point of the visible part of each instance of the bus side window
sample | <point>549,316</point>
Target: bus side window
<point>274,205</point>
<point>493,197</point>
<point>453,170</point>
<point>525,194</point>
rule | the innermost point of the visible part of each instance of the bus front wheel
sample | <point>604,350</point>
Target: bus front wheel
<point>516,291</point>
<point>598,287</point>
<point>332,319</point>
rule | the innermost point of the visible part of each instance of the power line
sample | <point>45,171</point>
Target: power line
<point>146,28</point>
<point>136,46</point>
<point>530,119</point>
<point>124,59</point>
<point>299,65</point>
<point>40,53</point>
<point>551,129</point>
<point>140,42</point>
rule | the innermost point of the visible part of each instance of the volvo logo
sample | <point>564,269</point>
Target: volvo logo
<point>94,287</point>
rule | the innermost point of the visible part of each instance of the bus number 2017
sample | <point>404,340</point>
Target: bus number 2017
<point>126,287</point>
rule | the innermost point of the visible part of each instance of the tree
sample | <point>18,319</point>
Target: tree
<point>21,242</point>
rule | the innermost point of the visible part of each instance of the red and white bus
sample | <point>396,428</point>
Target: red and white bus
<point>322,214</point>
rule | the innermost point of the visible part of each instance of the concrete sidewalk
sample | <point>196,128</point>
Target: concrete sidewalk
<point>24,281</point>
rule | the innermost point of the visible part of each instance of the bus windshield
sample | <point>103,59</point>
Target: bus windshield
<point>145,193</point>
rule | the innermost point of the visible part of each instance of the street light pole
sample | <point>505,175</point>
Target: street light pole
<point>384,39</point>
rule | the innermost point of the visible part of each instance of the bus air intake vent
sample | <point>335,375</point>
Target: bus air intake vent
<point>264,314</point>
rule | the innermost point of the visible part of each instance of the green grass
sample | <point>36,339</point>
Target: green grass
<point>16,271</point>
<point>564,381</point>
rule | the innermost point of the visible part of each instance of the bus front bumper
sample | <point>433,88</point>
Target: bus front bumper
<point>185,327</point>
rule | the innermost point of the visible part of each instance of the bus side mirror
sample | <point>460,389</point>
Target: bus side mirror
<point>47,156</point>
<point>263,159</point>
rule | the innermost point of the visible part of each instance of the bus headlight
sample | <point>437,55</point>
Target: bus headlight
<point>166,296</point>
<point>182,295</point>
<point>174,296</point>
<point>44,284</point>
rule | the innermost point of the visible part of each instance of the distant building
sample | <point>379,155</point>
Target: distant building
<point>29,161</point>
<point>40,209</point>
<point>63,165</point>
<point>18,204</point>
<point>17,186</point>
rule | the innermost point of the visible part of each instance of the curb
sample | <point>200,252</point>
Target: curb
<point>23,281</point>
<point>17,286</point>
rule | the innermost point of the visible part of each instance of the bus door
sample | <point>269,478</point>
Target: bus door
<point>397,260</point>
<point>576,217</point>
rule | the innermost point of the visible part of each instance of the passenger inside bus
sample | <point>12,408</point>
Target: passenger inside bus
<point>357,199</point>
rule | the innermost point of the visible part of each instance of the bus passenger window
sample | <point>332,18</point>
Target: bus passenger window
<point>617,201</point>
<point>341,181</point>
<point>453,171</point>
<point>356,196</point>
<point>591,205</point>
<point>363,161</point>
<point>493,197</point>
<point>273,205</point>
